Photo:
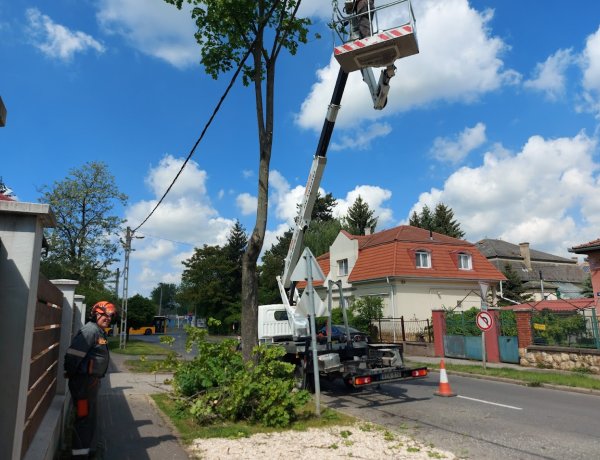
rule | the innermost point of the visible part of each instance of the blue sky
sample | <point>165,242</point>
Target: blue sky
<point>497,117</point>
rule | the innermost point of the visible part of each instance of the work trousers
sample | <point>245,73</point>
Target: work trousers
<point>364,21</point>
<point>84,391</point>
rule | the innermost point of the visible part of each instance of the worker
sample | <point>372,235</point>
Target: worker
<point>86,362</point>
<point>363,9</point>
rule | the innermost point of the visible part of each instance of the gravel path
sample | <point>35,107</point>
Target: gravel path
<point>360,441</point>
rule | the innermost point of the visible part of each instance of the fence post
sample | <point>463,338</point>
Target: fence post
<point>402,327</point>
<point>439,331</point>
<point>428,332</point>
<point>595,328</point>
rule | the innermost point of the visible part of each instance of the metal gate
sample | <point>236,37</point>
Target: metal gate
<point>508,343</point>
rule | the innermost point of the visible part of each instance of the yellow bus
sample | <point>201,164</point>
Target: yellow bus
<point>158,326</point>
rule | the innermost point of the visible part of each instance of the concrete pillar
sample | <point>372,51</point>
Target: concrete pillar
<point>439,331</point>
<point>78,314</point>
<point>492,349</point>
<point>66,324</point>
<point>21,234</point>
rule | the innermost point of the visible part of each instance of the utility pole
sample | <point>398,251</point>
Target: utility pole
<point>123,329</point>
<point>116,290</point>
<point>160,301</point>
<point>127,244</point>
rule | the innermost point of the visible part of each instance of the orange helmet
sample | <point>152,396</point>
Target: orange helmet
<point>104,308</point>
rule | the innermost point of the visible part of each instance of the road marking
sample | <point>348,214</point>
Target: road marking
<point>489,402</point>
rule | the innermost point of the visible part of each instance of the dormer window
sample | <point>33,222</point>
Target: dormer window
<point>342,267</point>
<point>464,261</point>
<point>422,259</point>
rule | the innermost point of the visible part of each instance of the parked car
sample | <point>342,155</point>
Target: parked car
<point>338,334</point>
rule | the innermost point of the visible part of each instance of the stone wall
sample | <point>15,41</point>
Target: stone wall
<point>562,358</point>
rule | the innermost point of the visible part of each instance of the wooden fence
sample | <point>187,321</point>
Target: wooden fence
<point>44,357</point>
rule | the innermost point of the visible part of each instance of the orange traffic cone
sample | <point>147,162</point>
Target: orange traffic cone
<point>444,389</point>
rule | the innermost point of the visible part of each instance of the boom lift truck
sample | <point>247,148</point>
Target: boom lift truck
<point>289,324</point>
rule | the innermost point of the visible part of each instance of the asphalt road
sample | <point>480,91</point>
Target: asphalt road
<point>487,420</point>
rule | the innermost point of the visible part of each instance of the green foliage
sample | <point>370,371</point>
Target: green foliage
<point>561,329</point>
<point>462,323</point>
<point>321,234</point>
<point>366,310</point>
<point>211,283</point>
<point>164,295</point>
<point>140,311</point>
<point>272,266</point>
<point>83,243</point>
<point>508,323</point>
<point>226,29</point>
<point>360,218</point>
<point>440,221</point>
<point>218,384</point>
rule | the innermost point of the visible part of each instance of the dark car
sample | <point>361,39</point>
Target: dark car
<point>338,333</point>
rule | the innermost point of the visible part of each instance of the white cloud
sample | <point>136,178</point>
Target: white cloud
<point>186,215</point>
<point>363,137</point>
<point>57,41</point>
<point>549,76</point>
<point>534,195</point>
<point>246,203</point>
<point>154,28</point>
<point>454,151</point>
<point>247,173</point>
<point>456,64</point>
<point>590,63</point>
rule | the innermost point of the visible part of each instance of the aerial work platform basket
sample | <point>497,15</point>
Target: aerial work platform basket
<point>383,47</point>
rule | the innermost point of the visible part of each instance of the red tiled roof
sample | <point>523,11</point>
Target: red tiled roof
<point>592,245</point>
<point>554,305</point>
<point>392,253</point>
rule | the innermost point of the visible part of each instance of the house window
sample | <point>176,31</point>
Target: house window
<point>342,267</point>
<point>464,261</point>
<point>423,259</point>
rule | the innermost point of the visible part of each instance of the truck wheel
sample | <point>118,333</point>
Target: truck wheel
<point>303,379</point>
<point>148,332</point>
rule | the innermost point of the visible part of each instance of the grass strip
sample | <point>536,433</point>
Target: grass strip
<point>189,430</point>
<point>531,377</point>
<point>137,348</point>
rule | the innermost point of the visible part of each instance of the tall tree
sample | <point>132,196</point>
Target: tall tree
<point>360,218</point>
<point>164,295</point>
<point>140,311</point>
<point>323,208</point>
<point>83,244</point>
<point>440,221</point>
<point>513,289</point>
<point>444,222</point>
<point>227,29</point>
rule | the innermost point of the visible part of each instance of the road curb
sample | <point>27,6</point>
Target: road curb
<point>588,391</point>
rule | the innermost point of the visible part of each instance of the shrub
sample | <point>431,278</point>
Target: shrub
<point>218,385</point>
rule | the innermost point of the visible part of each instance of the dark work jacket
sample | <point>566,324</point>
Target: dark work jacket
<point>88,353</point>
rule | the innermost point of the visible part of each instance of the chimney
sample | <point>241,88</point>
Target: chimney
<point>368,231</point>
<point>524,248</point>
